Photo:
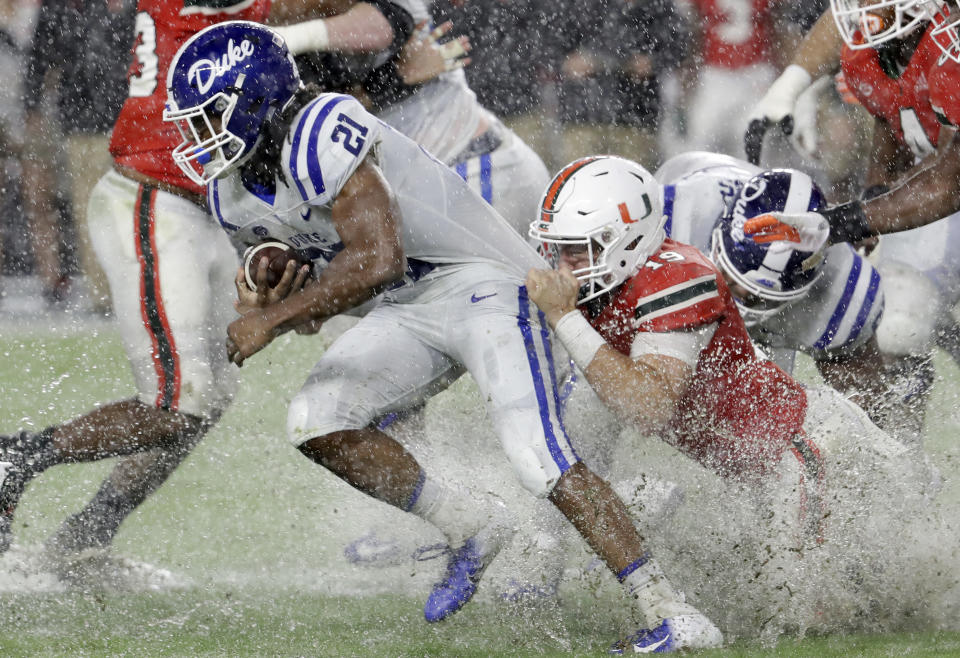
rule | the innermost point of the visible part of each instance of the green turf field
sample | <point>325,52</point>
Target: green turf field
<point>258,532</point>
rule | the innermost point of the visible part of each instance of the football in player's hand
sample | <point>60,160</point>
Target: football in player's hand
<point>277,255</point>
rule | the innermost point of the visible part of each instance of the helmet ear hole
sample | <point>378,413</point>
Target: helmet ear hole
<point>633,245</point>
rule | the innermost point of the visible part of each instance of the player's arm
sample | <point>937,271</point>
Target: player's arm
<point>930,194</point>
<point>368,223</point>
<point>890,157</point>
<point>818,54</point>
<point>364,28</point>
<point>642,391</point>
<point>857,373</point>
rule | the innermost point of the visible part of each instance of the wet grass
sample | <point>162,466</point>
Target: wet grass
<point>259,533</point>
<point>226,622</point>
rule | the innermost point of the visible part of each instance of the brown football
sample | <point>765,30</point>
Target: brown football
<point>277,254</point>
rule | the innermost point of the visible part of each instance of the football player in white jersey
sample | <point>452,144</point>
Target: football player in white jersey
<point>150,223</point>
<point>441,114</point>
<point>376,213</point>
<point>826,303</point>
<point>882,359</point>
<point>837,319</point>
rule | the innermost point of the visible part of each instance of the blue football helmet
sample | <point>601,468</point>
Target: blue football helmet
<point>774,271</point>
<point>223,85</point>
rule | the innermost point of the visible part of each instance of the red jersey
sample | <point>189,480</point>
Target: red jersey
<point>736,33</point>
<point>142,140</point>
<point>903,102</point>
<point>944,81</point>
<point>739,413</point>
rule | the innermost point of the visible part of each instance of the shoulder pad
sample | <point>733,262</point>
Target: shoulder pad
<point>327,141</point>
<point>677,288</point>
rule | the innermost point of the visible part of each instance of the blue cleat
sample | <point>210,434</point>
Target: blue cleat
<point>464,569</point>
<point>692,631</point>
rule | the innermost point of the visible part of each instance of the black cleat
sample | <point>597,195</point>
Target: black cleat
<point>22,456</point>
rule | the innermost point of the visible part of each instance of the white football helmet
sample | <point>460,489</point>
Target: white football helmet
<point>946,31</point>
<point>612,206</point>
<point>869,23</point>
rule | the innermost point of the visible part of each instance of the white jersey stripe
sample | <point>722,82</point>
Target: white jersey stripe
<point>693,301</point>
<point>673,289</point>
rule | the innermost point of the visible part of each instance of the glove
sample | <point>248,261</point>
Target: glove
<point>805,134</point>
<point>776,107</point>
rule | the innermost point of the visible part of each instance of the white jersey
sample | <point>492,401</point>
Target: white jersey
<point>444,114</point>
<point>843,307</point>
<point>443,222</point>
<point>696,188</point>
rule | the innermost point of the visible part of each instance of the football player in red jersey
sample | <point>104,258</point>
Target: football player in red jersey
<point>893,66</point>
<point>170,267</point>
<point>734,62</point>
<point>654,328</point>
<point>890,54</point>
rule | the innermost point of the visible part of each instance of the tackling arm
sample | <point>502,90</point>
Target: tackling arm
<point>930,194</point>
<point>361,29</point>
<point>368,223</point>
<point>817,54</point>
<point>642,391</point>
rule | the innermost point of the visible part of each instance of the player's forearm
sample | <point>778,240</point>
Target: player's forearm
<point>890,158</point>
<point>637,393</point>
<point>283,12</point>
<point>819,51</point>
<point>931,194</point>
<point>363,29</point>
<point>349,280</point>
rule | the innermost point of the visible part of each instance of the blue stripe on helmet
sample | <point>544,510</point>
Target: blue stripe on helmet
<point>461,170</point>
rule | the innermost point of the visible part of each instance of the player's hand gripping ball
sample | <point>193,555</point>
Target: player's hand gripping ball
<point>277,255</point>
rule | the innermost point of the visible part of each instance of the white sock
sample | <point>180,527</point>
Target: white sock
<point>656,597</point>
<point>458,514</point>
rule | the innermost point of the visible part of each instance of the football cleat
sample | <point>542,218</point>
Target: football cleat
<point>18,464</point>
<point>692,631</point>
<point>458,586</point>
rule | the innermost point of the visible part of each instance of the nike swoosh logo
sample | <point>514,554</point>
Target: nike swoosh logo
<point>651,648</point>
<point>305,215</point>
<point>474,299</point>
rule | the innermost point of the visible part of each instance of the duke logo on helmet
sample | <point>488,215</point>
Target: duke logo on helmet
<point>204,71</point>
<point>774,261</point>
<point>220,119</point>
<point>610,206</point>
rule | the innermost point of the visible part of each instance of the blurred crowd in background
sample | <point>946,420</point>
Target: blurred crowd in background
<point>644,79</point>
